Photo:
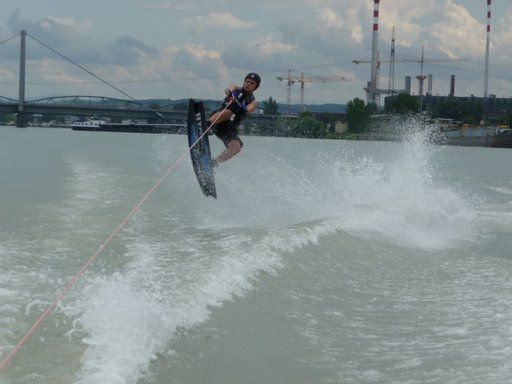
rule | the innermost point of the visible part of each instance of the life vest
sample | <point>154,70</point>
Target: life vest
<point>242,99</point>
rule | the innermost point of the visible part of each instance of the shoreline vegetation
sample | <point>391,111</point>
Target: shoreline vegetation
<point>357,121</point>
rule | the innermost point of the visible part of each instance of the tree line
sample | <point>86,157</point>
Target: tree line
<point>357,116</point>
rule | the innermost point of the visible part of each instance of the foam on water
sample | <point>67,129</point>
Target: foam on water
<point>394,197</point>
<point>502,190</point>
<point>130,316</point>
<point>170,274</point>
<point>402,201</point>
<point>15,288</point>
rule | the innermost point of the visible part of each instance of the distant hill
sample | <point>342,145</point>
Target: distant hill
<point>319,108</point>
<point>283,108</point>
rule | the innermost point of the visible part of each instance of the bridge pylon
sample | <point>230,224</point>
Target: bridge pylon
<point>21,118</point>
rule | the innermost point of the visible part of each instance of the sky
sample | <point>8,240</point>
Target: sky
<point>179,49</point>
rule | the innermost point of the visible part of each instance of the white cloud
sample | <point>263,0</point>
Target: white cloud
<point>223,20</point>
<point>72,39</point>
<point>128,50</point>
<point>69,22</point>
<point>318,37</point>
<point>501,36</point>
<point>354,23</point>
<point>406,17</point>
<point>175,5</point>
<point>328,33</point>
<point>7,75</point>
<point>263,54</point>
<point>199,52</point>
<point>180,5</point>
<point>329,18</point>
<point>191,69</point>
<point>267,46</point>
<point>457,33</point>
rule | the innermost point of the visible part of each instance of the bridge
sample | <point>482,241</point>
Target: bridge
<point>89,106</point>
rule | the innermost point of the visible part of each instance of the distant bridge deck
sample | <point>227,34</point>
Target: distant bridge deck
<point>99,106</point>
<point>89,106</point>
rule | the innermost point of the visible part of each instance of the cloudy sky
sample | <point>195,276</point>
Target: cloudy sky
<point>176,49</point>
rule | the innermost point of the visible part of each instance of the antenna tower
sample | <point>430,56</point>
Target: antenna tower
<point>391,82</point>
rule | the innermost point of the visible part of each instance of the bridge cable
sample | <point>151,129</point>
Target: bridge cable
<point>102,247</point>
<point>92,74</point>
<point>10,38</point>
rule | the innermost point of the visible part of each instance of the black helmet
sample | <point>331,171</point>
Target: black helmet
<point>255,77</point>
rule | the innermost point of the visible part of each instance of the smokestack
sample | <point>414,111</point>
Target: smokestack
<point>372,97</point>
<point>408,85</point>
<point>430,82</point>
<point>487,44</point>
<point>452,85</point>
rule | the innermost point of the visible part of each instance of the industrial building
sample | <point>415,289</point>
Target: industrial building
<point>494,108</point>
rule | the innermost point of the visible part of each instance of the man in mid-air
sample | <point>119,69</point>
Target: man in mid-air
<point>239,102</point>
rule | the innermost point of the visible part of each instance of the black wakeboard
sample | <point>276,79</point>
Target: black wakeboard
<point>200,152</point>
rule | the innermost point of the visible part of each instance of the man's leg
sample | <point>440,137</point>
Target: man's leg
<point>220,117</point>
<point>234,146</point>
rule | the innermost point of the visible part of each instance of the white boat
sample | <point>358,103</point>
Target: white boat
<point>88,124</point>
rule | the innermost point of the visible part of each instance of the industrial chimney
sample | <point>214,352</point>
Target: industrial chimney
<point>372,92</point>
<point>452,85</point>
<point>487,46</point>
<point>408,85</point>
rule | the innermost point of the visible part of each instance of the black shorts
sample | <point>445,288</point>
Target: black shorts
<point>227,132</point>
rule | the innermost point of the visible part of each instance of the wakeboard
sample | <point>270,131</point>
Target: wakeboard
<point>200,151</point>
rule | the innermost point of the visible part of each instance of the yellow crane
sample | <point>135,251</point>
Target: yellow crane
<point>302,80</point>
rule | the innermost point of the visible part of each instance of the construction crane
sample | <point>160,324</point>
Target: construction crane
<point>421,77</point>
<point>391,82</point>
<point>290,80</point>
<point>391,78</point>
<point>378,91</point>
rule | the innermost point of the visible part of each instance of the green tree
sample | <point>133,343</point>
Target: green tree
<point>11,118</point>
<point>403,104</point>
<point>283,126</point>
<point>307,126</point>
<point>303,126</point>
<point>470,119</point>
<point>474,112</point>
<point>358,115</point>
<point>270,107</point>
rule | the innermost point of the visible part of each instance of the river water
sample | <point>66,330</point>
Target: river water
<point>320,262</point>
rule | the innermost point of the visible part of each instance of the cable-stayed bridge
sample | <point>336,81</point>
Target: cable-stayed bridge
<point>79,105</point>
<point>86,106</point>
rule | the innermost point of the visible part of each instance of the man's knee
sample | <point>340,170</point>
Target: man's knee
<point>235,146</point>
